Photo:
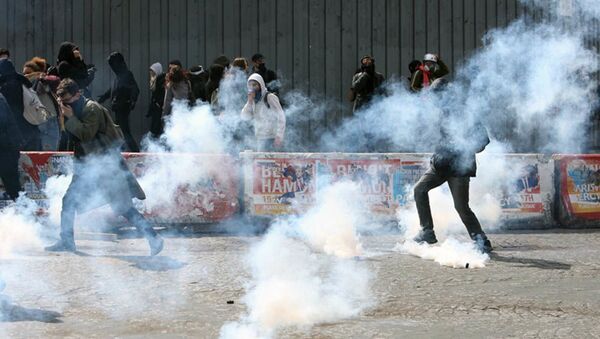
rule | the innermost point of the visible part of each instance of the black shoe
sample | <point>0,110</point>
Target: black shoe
<point>483,243</point>
<point>156,244</point>
<point>61,246</point>
<point>427,236</point>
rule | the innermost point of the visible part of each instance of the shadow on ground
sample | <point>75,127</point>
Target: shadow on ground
<point>528,262</point>
<point>10,312</point>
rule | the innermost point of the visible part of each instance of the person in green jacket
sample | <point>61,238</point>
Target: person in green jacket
<point>100,175</point>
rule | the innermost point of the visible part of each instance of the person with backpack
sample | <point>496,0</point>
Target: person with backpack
<point>12,86</point>
<point>366,83</point>
<point>100,174</point>
<point>123,94</point>
<point>264,109</point>
<point>427,72</point>
<point>453,161</point>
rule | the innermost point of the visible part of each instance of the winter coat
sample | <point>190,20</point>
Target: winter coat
<point>455,154</point>
<point>10,135</point>
<point>365,86</point>
<point>11,86</point>
<point>68,66</point>
<point>267,114</point>
<point>125,91</point>
<point>157,100</point>
<point>50,130</point>
<point>176,91</point>
<point>422,78</point>
<point>215,75</point>
<point>112,179</point>
<point>198,82</point>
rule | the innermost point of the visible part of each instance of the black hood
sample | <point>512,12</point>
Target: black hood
<point>117,62</point>
<point>7,67</point>
<point>65,53</point>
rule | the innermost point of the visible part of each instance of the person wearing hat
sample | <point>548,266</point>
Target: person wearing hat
<point>366,83</point>
<point>198,78</point>
<point>431,69</point>
<point>269,76</point>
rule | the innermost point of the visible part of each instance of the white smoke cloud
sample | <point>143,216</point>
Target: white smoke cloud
<point>302,273</point>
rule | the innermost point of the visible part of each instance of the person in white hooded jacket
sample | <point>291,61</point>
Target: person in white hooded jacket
<point>264,109</point>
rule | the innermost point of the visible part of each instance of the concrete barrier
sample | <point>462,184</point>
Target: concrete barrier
<point>579,189</point>
<point>286,183</point>
<point>214,197</point>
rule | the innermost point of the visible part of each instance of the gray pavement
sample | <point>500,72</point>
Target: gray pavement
<point>540,284</point>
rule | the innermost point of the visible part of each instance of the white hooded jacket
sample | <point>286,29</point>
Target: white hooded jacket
<point>269,123</point>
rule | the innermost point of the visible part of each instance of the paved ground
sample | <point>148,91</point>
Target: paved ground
<point>538,285</point>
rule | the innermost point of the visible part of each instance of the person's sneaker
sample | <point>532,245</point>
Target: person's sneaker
<point>61,246</point>
<point>156,244</point>
<point>483,243</point>
<point>427,236</point>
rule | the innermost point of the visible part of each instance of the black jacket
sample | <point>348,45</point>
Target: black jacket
<point>10,135</point>
<point>11,87</point>
<point>199,85</point>
<point>125,91</point>
<point>68,66</point>
<point>157,100</point>
<point>270,77</point>
<point>365,86</point>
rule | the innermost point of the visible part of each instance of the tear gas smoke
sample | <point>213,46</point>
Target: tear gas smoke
<point>301,272</point>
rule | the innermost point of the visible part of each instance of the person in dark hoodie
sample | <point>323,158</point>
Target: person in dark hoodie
<point>10,143</point>
<point>100,174</point>
<point>123,94</point>
<point>215,75</point>
<point>198,78</point>
<point>11,86</point>
<point>70,64</point>
<point>460,139</point>
<point>259,66</point>
<point>366,83</point>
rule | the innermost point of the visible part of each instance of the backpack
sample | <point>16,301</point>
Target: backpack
<point>112,135</point>
<point>33,110</point>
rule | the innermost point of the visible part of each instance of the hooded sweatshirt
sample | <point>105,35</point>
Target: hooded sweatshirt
<point>124,92</point>
<point>68,66</point>
<point>11,86</point>
<point>269,122</point>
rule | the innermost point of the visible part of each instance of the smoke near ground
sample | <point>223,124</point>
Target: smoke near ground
<point>303,271</point>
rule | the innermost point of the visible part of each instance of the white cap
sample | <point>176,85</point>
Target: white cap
<point>157,68</point>
<point>430,57</point>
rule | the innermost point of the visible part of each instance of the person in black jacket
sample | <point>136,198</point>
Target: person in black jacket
<point>198,79</point>
<point>124,94</point>
<point>70,64</point>
<point>259,66</point>
<point>366,83</point>
<point>157,99</point>
<point>453,162</point>
<point>11,86</point>
<point>10,142</point>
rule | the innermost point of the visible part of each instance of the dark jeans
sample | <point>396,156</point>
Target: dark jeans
<point>459,187</point>
<point>9,172</point>
<point>76,200</point>
<point>122,119</point>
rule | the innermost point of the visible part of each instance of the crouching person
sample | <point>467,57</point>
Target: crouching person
<point>453,162</point>
<point>100,175</point>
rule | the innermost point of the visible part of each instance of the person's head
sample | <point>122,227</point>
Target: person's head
<point>222,60</point>
<point>254,86</point>
<point>258,61</point>
<point>117,63</point>
<point>4,53</point>
<point>7,67</point>
<point>430,62</point>
<point>196,70</point>
<point>155,70</point>
<point>367,64</point>
<point>69,52</point>
<point>240,63</point>
<point>174,65</point>
<point>414,65</point>
<point>68,92</point>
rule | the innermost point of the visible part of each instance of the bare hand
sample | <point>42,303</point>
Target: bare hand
<point>66,111</point>
<point>251,96</point>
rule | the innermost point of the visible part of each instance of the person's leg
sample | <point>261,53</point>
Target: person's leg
<point>67,219</point>
<point>265,145</point>
<point>144,227</point>
<point>123,122</point>
<point>459,187</point>
<point>9,172</point>
<point>426,183</point>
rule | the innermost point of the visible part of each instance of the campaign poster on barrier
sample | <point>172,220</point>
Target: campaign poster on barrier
<point>213,197</point>
<point>288,184</point>
<point>283,185</point>
<point>580,185</point>
<point>522,194</point>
